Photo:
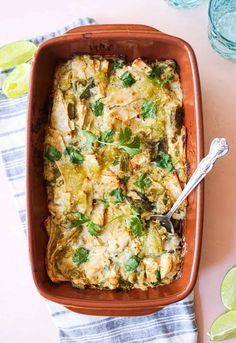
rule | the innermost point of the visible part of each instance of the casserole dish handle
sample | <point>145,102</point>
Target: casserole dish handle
<point>89,29</point>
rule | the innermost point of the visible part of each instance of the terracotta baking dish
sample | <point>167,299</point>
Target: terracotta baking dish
<point>131,41</point>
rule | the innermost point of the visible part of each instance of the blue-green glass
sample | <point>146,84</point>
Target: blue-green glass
<point>222,27</point>
<point>184,3</point>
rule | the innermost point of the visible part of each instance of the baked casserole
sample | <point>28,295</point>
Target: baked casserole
<point>114,156</point>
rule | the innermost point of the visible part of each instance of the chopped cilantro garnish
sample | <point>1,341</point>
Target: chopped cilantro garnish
<point>132,264</point>
<point>143,182</point>
<point>115,163</point>
<point>118,63</point>
<point>125,178</point>
<point>82,218</point>
<point>158,278</point>
<point>125,135</point>
<point>52,153</point>
<point>80,256</point>
<point>164,161</point>
<point>118,194</point>
<point>148,109</point>
<point>94,229</point>
<point>75,155</point>
<point>135,223</point>
<point>130,144</point>
<point>97,108</point>
<point>107,137</point>
<point>155,73</point>
<point>127,79</point>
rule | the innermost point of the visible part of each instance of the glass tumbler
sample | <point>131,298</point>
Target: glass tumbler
<point>222,27</point>
<point>184,3</point>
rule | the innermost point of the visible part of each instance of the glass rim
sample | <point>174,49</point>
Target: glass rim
<point>212,23</point>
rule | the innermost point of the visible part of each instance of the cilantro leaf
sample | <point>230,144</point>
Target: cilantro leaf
<point>125,178</point>
<point>97,108</point>
<point>164,161</point>
<point>82,218</point>
<point>143,182</point>
<point>158,276</point>
<point>132,148</point>
<point>127,79</point>
<point>155,76</point>
<point>125,136</point>
<point>90,139</point>
<point>115,163</point>
<point>75,155</point>
<point>52,153</point>
<point>118,194</point>
<point>107,137</point>
<point>118,63</point>
<point>136,224</point>
<point>132,264</point>
<point>104,201</point>
<point>155,73</point>
<point>80,256</point>
<point>94,229</point>
<point>148,109</point>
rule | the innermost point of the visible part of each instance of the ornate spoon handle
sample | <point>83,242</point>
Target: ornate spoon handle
<point>218,148</point>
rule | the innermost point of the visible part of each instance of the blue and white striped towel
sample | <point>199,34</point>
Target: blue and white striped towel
<point>173,324</point>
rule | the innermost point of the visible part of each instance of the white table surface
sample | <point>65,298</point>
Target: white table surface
<point>23,313</point>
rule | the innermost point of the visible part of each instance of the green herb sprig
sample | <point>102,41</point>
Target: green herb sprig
<point>136,223</point>
<point>127,79</point>
<point>74,154</point>
<point>97,108</point>
<point>132,264</point>
<point>164,161</point>
<point>52,154</point>
<point>143,182</point>
<point>131,144</point>
<point>80,256</point>
<point>118,194</point>
<point>93,229</point>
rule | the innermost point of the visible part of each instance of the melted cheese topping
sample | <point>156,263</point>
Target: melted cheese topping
<point>114,155</point>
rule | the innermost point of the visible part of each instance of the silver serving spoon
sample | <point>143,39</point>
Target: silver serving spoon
<point>218,148</point>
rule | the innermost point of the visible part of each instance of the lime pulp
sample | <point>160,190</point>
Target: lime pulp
<point>17,82</point>
<point>16,53</point>
<point>224,327</point>
<point>228,289</point>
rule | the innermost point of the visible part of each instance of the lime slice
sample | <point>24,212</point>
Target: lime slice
<point>17,82</point>
<point>228,289</point>
<point>223,327</point>
<point>16,53</point>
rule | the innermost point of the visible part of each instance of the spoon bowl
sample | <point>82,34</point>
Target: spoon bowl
<point>164,221</point>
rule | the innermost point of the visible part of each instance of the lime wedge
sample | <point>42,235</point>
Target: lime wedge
<point>228,289</point>
<point>16,53</point>
<point>223,327</point>
<point>17,82</point>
